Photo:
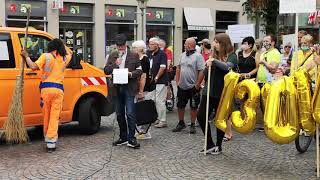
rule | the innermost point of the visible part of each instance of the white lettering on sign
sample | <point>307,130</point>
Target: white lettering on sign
<point>297,6</point>
<point>4,53</point>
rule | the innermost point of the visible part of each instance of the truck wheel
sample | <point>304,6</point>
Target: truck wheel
<point>89,117</point>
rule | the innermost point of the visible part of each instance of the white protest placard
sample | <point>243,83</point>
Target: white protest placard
<point>289,38</point>
<point>4,55</point>
<point>297,6</point>
<point>120,76</point>
<point>238,32</point>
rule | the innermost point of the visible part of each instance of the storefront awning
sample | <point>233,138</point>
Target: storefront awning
<point>199,19</point>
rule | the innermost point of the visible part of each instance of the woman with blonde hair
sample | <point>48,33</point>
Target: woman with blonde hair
<point>224,60</point>
<point>303,57</point>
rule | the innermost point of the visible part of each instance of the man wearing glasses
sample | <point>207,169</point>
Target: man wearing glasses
<point>159,79</point>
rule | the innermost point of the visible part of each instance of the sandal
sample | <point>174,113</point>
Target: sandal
<point>226,139</point>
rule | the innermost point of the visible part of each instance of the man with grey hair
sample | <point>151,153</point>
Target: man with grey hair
<point>187,76</point>
<point>159,79</point>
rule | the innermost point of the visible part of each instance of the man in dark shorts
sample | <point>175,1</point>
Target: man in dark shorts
<point>187,76</point>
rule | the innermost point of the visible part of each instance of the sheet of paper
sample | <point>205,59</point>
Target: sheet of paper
<point>4,55</point>
<point>79,51</point>
<point>120,76</point>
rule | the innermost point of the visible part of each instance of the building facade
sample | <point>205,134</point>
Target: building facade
<point>88,26</point>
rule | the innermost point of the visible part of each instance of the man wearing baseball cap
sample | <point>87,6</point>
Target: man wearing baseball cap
<point>205,48</point>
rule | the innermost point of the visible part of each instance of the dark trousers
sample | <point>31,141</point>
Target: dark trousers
<point>213,104</point>
<point>124,104</point>
<point>261,101</point>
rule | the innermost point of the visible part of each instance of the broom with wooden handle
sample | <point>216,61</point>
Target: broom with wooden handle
<point>14,129</point>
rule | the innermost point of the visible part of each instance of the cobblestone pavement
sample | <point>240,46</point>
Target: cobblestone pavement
<point>167,155</point>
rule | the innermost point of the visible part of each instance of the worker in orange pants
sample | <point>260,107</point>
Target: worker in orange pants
<point>52,106</point>
<point>52,66</point>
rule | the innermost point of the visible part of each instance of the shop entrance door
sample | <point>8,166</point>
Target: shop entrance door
<point>80,41</point>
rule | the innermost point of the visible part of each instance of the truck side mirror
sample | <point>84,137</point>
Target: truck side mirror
<point>75,61</point>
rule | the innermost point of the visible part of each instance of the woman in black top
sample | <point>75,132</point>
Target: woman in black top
<point>248,65</point>
<point>248,68</point>
<point>225,60</point>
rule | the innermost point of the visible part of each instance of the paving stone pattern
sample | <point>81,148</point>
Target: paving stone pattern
<point>167,155</point>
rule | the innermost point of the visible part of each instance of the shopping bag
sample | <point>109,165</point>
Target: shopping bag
<point>146,112</point>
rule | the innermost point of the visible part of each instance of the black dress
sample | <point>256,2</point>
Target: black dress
<point>247,64</point>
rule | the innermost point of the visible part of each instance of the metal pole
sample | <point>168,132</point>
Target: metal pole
<point>144,24</point>
<point>296,31</point>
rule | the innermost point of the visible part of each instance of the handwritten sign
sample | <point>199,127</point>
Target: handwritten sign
<point>297,6</point>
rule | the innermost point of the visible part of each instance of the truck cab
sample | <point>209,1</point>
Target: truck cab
<point>86,88</point>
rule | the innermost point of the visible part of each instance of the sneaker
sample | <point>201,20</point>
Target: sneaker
<point>226,139</point>
<point>209,151</point>
<point>161,125</point>
<point>192,129</point>
<point>133,144</point>
<point>179,127</point>
<point>51,147</point>
<point>216,150</point>
<point>261,129</point>
<point>144,136</point>
<point>119,142</point>
<point>156,122</point>
<point>304,133</point>
<point>196,124</point>
<point>51,150</point>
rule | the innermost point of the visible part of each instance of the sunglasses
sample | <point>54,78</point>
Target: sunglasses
<point>287,47</point>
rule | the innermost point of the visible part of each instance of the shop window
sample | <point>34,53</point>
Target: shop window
<point>113,29</point>
<point>6,51</point>
<point>36,45</point>
<point>163,32</point>
<point>224,19</point>
<point>37,23</point>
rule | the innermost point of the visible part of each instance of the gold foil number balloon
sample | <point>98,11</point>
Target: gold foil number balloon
<point>281,114</point>
<point>226,102</point>
<point>264,93</point>
<point>302,82</point>
<point>246,124</point>
<point>316,101</point>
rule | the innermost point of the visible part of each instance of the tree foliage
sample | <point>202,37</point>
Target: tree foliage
<point>263,10</point>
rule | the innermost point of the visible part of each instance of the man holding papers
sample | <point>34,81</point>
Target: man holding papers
<point>125,68</point>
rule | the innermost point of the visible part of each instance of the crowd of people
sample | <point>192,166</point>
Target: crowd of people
<point>148,78</point>
<point>150,72</point>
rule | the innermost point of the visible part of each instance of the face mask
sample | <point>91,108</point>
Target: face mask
<point>305,48</point>
<point>190,52</point>
<point>244,47</point>
<point>267,46</point>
